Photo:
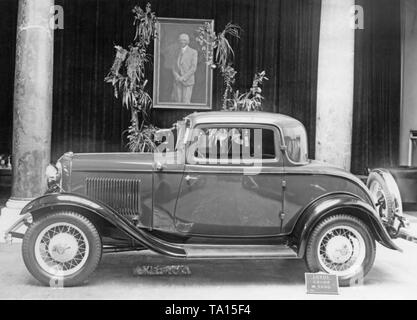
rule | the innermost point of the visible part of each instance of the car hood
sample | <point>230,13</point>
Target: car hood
<point>112,161</point>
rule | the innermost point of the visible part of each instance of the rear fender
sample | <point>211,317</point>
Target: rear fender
<point>52,202</point>
<point>335,203</point>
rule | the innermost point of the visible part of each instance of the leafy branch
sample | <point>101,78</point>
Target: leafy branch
<point>250,100</point>
<point>219,54</point>
<point>127,76</point>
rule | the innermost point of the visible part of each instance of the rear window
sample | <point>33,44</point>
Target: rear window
<point>295,138</point>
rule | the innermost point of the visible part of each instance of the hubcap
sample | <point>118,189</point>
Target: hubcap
<point>61,249</point>
<point>341,250</point>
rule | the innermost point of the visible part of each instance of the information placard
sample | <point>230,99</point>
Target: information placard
<point>321,283</point>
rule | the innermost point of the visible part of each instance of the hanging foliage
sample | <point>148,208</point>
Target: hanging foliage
<point>127,76</point>
<point>219,55</point>
<point>250,100</point>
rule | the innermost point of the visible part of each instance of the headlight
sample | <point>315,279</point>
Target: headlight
<point>53,173</point>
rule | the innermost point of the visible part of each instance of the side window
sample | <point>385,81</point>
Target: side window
<point>232,145</point>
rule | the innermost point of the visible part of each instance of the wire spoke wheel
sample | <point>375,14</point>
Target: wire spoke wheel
<point>341,250</point>
<point>62,246</point>
<point>61,249</point>
<point>342,245</point>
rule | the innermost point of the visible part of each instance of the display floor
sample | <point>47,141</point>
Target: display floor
<point>394,276</point>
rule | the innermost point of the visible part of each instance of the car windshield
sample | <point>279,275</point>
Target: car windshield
<point>295,138</point>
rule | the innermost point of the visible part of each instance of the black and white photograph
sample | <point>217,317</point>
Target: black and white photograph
<point>206,156</point>
<point>182,76</point>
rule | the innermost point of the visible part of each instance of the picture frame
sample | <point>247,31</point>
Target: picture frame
<point>182,78</point>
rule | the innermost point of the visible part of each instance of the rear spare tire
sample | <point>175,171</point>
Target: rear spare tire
<point>385,194</point>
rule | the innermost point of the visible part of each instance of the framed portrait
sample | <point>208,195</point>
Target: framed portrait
<point>182,78</point>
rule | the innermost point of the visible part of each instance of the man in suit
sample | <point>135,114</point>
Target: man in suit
<point>184,68</point>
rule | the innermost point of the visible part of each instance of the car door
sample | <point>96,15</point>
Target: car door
<point>167,174</point>
<point>232,182</point>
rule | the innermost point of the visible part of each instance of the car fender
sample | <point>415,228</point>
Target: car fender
<point>56,200</point>
<point>330,204</point>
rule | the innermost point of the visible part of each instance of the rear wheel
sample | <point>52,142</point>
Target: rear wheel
<point>62,249</point>
<point>341,245</point>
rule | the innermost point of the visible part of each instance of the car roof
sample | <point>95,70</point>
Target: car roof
<point>259,117</point>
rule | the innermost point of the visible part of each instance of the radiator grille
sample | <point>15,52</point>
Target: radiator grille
<point>123,195</point>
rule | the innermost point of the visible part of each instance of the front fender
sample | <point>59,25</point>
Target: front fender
<point>328,205</point>
<point>56,200</point>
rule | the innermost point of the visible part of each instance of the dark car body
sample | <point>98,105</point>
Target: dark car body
<point>200,210</point>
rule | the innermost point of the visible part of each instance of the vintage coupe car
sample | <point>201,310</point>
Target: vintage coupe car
<point>224,185</point>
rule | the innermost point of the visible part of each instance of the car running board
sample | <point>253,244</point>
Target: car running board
<point>199,251</point>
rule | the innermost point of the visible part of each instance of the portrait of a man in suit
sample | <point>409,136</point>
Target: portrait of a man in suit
<point>182,78</point>
<point>184,68</point>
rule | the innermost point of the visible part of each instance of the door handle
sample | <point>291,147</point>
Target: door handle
<point>189,178</point>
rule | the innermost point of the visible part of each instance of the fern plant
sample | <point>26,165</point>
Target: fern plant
<point>141,140</point>
<point>219,54</point>
<point>127,76</point>
<point>250,100</point>
<point>224,50</point>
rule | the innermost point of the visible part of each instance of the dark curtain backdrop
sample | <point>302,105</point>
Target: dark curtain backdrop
<point>7,58</point>
<point>377,93</point>
<point>280,37</point>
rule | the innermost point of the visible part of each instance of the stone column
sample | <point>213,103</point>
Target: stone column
<point>335,83</point>
<point>32,106</point>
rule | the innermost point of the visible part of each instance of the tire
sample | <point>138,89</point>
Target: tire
<point>62,249</point>
<point>341,245</point>
<point>385,194</point>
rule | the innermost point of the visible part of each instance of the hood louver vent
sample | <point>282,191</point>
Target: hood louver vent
<point>123,195</point>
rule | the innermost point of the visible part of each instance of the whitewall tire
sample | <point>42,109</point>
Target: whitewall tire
<point>62,249</point>
<point>341,245</point>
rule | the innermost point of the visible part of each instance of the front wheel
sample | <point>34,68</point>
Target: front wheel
<point>61,249</point>
<point>341,245</point>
